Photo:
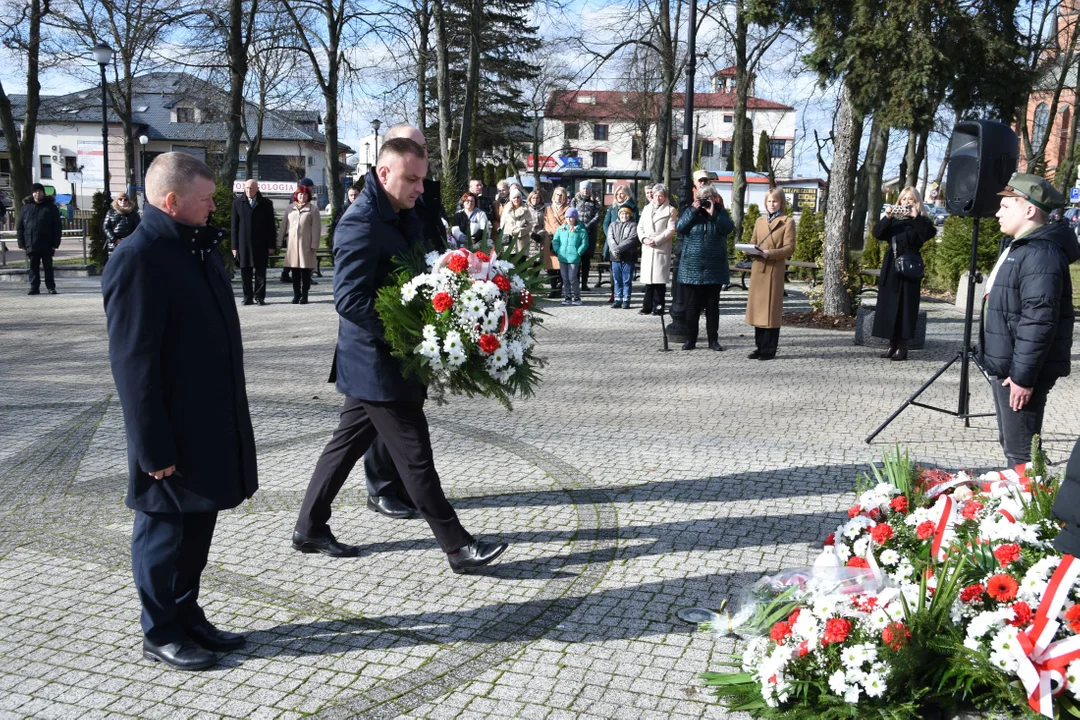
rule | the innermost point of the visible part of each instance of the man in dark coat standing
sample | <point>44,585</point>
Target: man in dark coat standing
<point>1027,321</point>
<point>39,232</point>
<point>254,234</point>
<point>178,363</point>
<point>380,401</point>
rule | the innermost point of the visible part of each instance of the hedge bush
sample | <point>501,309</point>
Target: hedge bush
<point>953,254</point>
<point>872,252</point>
<point>96,231</point>
<point>221,218</point>
<point>747,236</point>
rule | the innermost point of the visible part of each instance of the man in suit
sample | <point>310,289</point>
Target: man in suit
<point>177,359</point>
<point>380,401</point>
<point>254,234</point>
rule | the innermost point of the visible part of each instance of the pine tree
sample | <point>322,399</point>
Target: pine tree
<point>96,232</point>
<point>764,162</point>
<point>748,222</point>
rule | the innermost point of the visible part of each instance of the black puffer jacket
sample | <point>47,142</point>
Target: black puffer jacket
<point>1028,319</point>
<point>1067,506</point>
<point>119,225</point>
<point>39,230</point>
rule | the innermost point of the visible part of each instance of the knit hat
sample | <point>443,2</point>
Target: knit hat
<point>572,213</point>
<point>625,209</point>
<point>37,186</point>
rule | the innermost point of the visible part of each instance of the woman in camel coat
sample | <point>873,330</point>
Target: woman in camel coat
<point>302,228</point>
<point>656,229</point>
<point>774,234</point>
<point>554,218</point>
<point>516,223</point>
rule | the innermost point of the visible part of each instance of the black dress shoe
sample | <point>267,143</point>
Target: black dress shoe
<point>260,301</point>
<point>248,301</point>
<point>475,554</point>
<point>207,636</point>
<point>180,655</point>
<point>658,311</point>
<point>34,292</point>
<point>766,356</point>
<point>754,355</point>
<point>643,311</point>
<point>714,345</point>
<point>326,544</point>
<point>689,345</point>
<point>391,507</point>
<point>296,301</point>
<point>52,291</point>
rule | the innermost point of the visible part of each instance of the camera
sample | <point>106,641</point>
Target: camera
<point>706,204</point>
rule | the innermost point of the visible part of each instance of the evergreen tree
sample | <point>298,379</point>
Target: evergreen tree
<point>96,231</point>
<point>748,148</point>
<point>764,162</point>
<point>748,222</point>
<point>809,236</point>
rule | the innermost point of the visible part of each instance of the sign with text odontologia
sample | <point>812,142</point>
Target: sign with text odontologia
<point>267,187</point>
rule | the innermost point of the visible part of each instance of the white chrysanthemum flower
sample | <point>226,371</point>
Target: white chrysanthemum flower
<point>889,557</point>
<point>851,657</point>
<point>860,546</point>
<point>429,332</point>
<point>408,292</point>
<point>490,322</point>
<point>498,307</point>
<point>437,364</point>
<point>456,359</point>
<point>874,685</point>
<point>516,284</point>
<point>429,348</point>
<point>452,341</point>
<point>431,258</point>
<point>856,525</point>
<point>499,357</point>
<point>838,682</point>
<point>826,607</point>
<point>1003,661</point>
<point>503,266</point>
<point>1072,677</point>
<point>851,695</point>
<point>878,619</point>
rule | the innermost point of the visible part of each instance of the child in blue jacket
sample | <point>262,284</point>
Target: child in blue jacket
<point>569,244</point>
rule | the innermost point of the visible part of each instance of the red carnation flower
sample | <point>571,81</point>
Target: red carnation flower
<point>442,301</point>
<point>924,530</point>
<point>971,509</point>
<point>793,616</point>
<point>804,649</point>
<point>1072,616</point>
<point>526,299</point>
<point>830,539</point>
<point>972,593</point>
<point>488,344</point>
<point>457,263</point>
<point>857,562</point>
<point>1006,554</point>
<point>1022,615</point>
<point>881,533</point>
<point>502,282</point>
<point>517,317</point>
<point>854,510</point>
<point>875,514</point>
<point>1002,587</point>
<point>780,631</point>
<point>836,631</point>
<point>483,256</point>
<point>895,635</point>
<point>899,504</point>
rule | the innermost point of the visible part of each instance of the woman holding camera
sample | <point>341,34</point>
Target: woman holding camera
<point>774,236</point>
<point>904,228</point>
<point>703,266</point>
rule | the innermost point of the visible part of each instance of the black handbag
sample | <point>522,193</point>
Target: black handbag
<point>909,266</point>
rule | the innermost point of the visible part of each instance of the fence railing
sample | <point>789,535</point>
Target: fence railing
<point>76,229</point>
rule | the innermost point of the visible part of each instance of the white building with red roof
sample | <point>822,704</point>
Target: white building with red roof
<point>616,130</point>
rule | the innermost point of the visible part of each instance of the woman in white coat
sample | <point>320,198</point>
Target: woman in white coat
<point>301,231</point>
<point>656,230</point>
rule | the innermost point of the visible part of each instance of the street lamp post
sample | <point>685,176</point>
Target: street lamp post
<point>142,164</point>
<point>367,156</point>
<point>375,124</point>
<point>103,55</point>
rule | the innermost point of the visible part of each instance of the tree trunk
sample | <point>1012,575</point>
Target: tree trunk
<point>424,24</point>
<point>909,169</point>
<point>875,168</point>
<point>661,168</point>
<point>742,90</point>
<point>21,149</point>
<point>473,85</point>
<point>238,67</point>
<point>948,151</point>
<point>838,211</point>
<point>862,193</point>
<point>442,78</point>
<point>330,119</point>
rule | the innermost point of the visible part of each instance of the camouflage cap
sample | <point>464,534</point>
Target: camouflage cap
<point>1036,190</point>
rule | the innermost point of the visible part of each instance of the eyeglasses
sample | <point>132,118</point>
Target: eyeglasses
<point>703,180</point>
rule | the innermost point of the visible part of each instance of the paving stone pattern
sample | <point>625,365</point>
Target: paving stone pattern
<point>637,483</point>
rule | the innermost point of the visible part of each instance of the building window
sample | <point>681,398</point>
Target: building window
<point>1042,121</point>
<point>729,118</point>
<point>777,148</point>
<point>185,115</point>
<point>599,132</point>
<point>725,148</point>
<point>570,131</point>
<point>599,159</point>
<point>635,147</point>
<point>71,164</point>
<point>46,167</point>
<point>609,188</point>
<point>705,148</point>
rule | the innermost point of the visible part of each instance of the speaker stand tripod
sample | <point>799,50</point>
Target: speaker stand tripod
<point>966,356</point>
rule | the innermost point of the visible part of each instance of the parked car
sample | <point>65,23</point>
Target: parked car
<point>938,214</point>
<point>1071,216</point>
<point>5,201</point>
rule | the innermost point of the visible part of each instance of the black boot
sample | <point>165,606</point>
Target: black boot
<point>901,351</point>
<point>890,352</point>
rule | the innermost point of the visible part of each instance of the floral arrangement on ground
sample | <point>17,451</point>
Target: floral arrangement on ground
<point>942,592</point>
<point>463,322</point>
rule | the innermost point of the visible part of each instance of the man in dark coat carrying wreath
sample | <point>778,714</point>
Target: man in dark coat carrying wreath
<point>254,235</point>
<point>178,363</point>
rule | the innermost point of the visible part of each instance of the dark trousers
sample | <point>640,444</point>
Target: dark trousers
<point>1016,428</point>
<point>301,282</point>
<point>383,479</point>
<point>404,429</point>
<point>168,555</point>
<point>254,281</point>
<point>653,297</point>
<point>700,297</point>
<point>767,339</point>
<point>36,260</point>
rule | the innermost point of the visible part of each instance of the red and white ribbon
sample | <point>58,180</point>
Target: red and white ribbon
<point>943,523</point>
<point>1042,661</point>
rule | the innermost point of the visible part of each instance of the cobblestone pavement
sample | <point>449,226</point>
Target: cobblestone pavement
<point>636,484</point>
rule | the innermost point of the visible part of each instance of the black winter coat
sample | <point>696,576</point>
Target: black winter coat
<point>704,259</point>
<point>178,363</point>
<point>39,229</point>
<point>254,231</point>
<point>118,226</point>
<point>1067,506</point>
<point>897,310</point>
<point>366,241</point>
<point>1027,322</point>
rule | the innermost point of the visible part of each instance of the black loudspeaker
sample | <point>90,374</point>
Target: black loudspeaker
<point>982,158</point>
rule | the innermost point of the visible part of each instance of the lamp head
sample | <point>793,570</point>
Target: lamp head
<point>375,124</point>
<point>143,140</point>
<point>103,54</point>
